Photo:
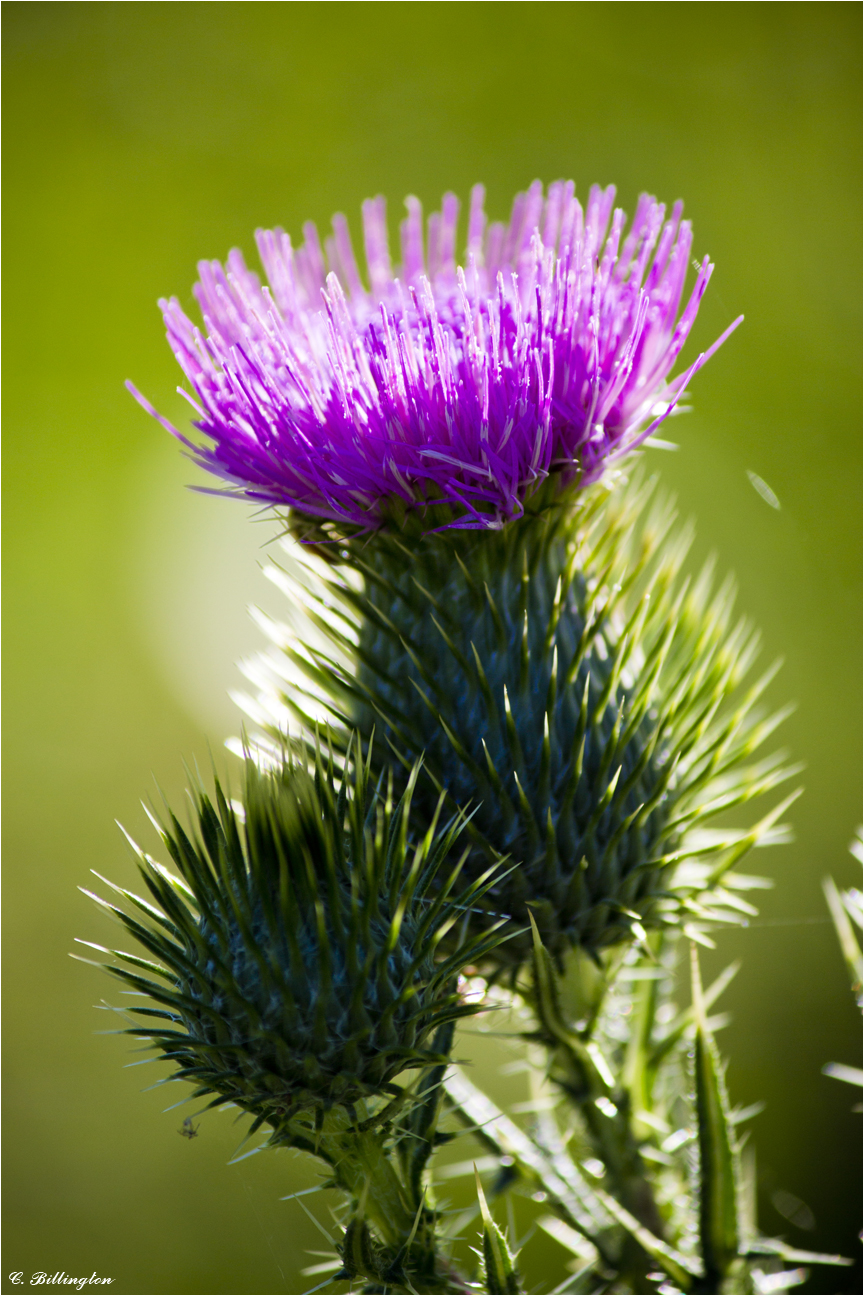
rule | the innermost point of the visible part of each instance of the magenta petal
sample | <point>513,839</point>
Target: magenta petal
<point>552,351</point>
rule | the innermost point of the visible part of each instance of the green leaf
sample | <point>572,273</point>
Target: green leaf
<point>718,1170</point>
<point>586,1058</point>
<point>568,1193</point>
<point>674,1264</point>
<point>499,1266</point>
<point>356,1250</point>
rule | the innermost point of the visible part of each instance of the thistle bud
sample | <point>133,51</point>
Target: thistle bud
<point>562,679</point>
<point>297,963</point>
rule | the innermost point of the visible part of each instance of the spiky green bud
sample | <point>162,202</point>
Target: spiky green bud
<point>559,676</point>
<point>297,954</point>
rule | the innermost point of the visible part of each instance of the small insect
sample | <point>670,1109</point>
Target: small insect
<point>189,1130</point>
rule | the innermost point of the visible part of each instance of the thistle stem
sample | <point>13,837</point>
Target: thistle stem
<point>403,1227</point>
<point>576,1067</point>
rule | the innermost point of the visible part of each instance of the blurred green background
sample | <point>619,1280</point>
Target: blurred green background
<point>141,137</point>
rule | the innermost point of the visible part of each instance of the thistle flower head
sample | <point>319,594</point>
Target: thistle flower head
<point>547,351</point>
<point>296,953</point>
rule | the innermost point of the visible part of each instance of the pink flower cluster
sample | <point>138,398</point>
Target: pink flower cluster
<point>548,351</point>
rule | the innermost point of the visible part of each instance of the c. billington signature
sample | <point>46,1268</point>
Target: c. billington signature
<point>59,1279</point>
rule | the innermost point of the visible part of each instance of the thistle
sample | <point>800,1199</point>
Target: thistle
<point>510,628</point>
<point>296,972</point>
<point>549,354</point>
<point>297,949</point>
<point>492,616</point>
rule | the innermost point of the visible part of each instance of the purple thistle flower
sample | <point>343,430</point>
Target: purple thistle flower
<point>549,353</point>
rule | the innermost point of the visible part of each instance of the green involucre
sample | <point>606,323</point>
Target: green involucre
<point>561,679</point>
<point>298,961</point>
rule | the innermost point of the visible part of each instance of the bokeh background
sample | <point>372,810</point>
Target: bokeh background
<point>141,137</point>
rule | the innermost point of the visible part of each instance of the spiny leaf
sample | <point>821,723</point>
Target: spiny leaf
<point>718,1169</point>
<point>499,1267</point>
<point>675,1265</point>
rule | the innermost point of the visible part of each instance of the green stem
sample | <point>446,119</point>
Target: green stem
<point>365,1167</point>
<point>362,1169</point>
<point>606,1109</point>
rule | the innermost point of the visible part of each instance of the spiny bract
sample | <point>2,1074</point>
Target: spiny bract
<point>297,954</point>
<point>563,682</point>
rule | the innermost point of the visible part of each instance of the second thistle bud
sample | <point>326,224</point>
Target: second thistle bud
<point>297,953</point>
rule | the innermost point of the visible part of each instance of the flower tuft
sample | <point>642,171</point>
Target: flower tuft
<point>548,352</point>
